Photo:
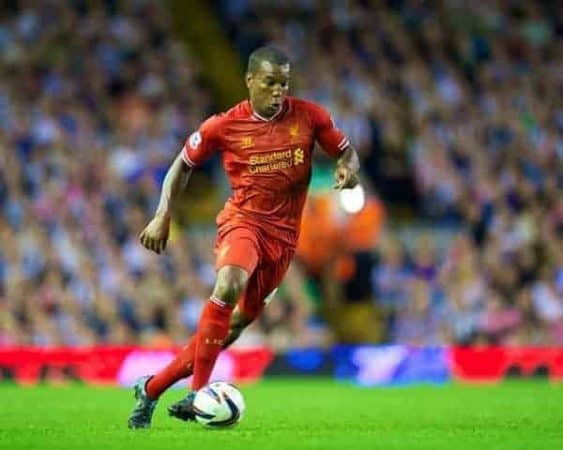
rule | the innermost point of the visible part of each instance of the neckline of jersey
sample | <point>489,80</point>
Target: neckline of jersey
<point>257,116</point>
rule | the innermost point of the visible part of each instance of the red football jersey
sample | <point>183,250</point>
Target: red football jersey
<point>267,161</point>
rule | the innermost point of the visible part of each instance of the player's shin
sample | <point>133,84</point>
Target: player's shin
<point>181,367</point>
<point>213,328</point>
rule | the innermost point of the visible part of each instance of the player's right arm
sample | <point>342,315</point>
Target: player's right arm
<point>335,143</point>
<point>197,148</point>
<point>155,235</point>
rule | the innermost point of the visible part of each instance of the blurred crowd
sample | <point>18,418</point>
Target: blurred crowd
<point>96,98</point>
<point>454,109</point>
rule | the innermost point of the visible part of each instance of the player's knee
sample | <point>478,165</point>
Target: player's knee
<point>231,282</point>
<point>238,326</point>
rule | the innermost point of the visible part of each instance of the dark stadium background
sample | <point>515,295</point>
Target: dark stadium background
<point>455,239</point>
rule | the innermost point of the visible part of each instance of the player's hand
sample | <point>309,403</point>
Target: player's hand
<point>155,235</point>
<point>345,178</point>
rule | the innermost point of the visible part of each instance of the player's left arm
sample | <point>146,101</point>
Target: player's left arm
<point>337,145</point>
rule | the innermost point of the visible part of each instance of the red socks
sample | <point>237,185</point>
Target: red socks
<point>180,367</point>
<point>212,330</point>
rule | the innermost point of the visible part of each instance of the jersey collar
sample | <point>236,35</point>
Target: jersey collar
<point>257,116</point>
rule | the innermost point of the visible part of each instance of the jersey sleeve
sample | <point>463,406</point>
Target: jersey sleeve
<point>202,143</point>
<point>332,140</point>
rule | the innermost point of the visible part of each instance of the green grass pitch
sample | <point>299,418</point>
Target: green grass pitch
<point>297,414</point>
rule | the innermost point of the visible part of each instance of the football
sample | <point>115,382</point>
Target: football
<point>218,405</point>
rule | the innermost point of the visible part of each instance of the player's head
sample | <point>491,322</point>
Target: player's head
<point>267,79</point>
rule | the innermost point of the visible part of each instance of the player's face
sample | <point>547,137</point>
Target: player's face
<point>267,87</point>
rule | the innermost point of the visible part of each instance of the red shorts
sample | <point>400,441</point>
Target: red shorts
<point>266,261</point>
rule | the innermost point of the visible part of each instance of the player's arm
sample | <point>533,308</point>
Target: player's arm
<point>199,146</point>
<point>174,183</point>
<point>155,235</point>
<point>335,143</point>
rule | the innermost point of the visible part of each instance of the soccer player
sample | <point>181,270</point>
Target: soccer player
<point>266,143</point>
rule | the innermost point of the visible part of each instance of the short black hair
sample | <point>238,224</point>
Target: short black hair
<point>268,53</point>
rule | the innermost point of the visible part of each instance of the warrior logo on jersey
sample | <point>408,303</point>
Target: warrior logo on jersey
<point>247,142</point>
<point>195,139</point>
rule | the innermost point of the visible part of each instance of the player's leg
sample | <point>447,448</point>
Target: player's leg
<point>213,329</point>
<point>182,366</point>
<point>237,258</point>
<point>238,323</point>
<point>214,323</point>
<point>259,290</point>
<point>241,320</point>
